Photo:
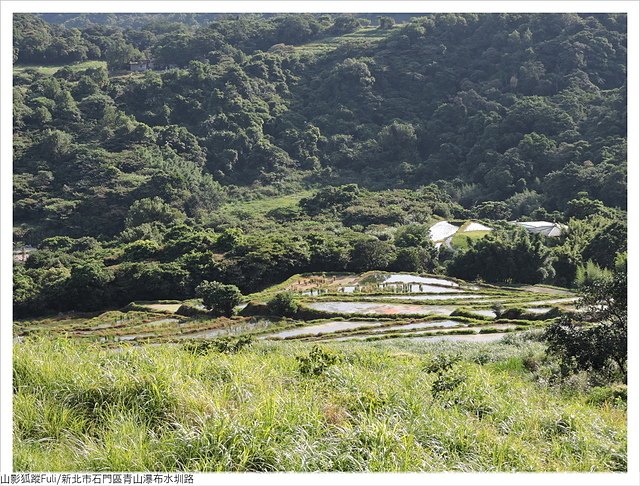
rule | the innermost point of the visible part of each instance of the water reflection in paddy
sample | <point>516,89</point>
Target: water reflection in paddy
<point>402,283</point>
<point>325,327</point>
<point>538,310</point>
<point>484,312</point>
<point>418,325</point>
<point>379,308</point>
<point>377,327</point>
<point>413,279</point>
<point>250,326</point>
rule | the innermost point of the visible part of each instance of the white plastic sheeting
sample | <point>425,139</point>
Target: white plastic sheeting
<point>442,230</point>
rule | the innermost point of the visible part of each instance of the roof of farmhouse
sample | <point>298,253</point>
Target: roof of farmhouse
<point>546,228</point>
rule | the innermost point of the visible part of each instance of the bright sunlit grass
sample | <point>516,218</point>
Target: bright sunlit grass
<point>82,407</point>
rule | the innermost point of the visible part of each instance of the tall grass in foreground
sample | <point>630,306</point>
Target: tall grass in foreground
<point>379,408</point>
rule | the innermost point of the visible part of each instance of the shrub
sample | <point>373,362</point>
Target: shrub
<point>316,362</point>
<point>614,394</point>
<point>140,250</point>
<point>218,297</point>
<point>482,358</point>
<point>446,381</point>
<point>441,362</point>
<point>590,273</point>
<point>504,256</point>
<point>594,347</point>
<point>283,304</point>
<point>513,313</point>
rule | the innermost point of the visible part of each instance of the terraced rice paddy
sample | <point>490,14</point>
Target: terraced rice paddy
<point>374,305</point>
<point>378,308</point>
<point>163,307</point>
<point>325,328</point>
<point>427,297</point>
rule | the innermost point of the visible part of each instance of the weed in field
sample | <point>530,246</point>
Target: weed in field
<point>316,362</point>
<point>615,395</point>
<point>446,381</point>
<point>441,362</point>
<point>229,345</point>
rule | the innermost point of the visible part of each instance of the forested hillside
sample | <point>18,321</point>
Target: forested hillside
<point>259,147</point>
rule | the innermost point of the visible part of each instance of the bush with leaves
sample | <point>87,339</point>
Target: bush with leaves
<point>283,304</point>
<point>595,345</point>
<point>219,298</point>
<point>316,362</point>
<point>441,362</point>
<point>447,381</point>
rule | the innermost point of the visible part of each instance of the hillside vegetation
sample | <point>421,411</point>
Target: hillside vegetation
<point>261,147</point>
<point>292,243</point>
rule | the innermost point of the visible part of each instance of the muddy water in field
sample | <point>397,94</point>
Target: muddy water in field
<point>226,331</point>
<point>538,310</point>
<point>380,308</point>
<point>324,328</point>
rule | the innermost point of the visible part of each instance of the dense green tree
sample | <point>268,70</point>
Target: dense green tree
<point>330,198</point>
<point>583,207</point>
<point>150,210</point>
<point>386,22</point>
<point>513,256</point>
<point>283,304</point>
<point>119,53</point>
<point>370,254</point>
<point>230,239</point>
<point>151,280</point>
<point>413,259</point>
<point>87,287</point>
<point>413,235</point>
<point>596,345</point>
<point>606,243</point>
<point>140,250</point>
<point>219,298</point>
<point>447,115</point>
<point>492,210</point>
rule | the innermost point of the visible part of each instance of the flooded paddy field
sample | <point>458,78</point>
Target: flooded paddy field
<point>324,328</point>
<point>332,306</point>
<point>379,308</point>
<point>447,296</point>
